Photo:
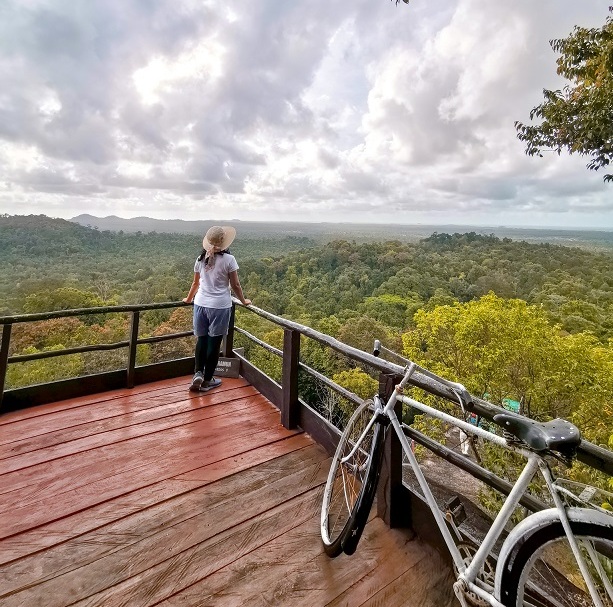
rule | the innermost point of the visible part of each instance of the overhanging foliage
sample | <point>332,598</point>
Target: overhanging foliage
<point>578,118</point>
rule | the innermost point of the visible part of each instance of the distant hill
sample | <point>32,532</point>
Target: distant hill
<point>350,231</point>
<point>256,229</point>
<point>41,253</point>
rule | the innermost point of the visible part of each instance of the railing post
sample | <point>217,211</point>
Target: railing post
<point>392,505</point>
<point>227,346</point>
<point>291,354</point>
<point>132,348</point>
<point>4,356</point>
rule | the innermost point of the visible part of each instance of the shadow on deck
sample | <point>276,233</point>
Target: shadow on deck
<point>158,496</point>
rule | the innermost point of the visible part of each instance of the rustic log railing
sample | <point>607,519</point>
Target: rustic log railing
<point>395,502</point>
<point>588,453</point>
<point>34,395</point>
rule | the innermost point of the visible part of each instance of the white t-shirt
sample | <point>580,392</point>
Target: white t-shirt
<point>214,289</point>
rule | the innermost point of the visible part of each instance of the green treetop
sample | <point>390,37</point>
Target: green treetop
<point>578,118</point>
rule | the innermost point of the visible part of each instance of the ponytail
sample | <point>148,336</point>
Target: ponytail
<point>203,254</point>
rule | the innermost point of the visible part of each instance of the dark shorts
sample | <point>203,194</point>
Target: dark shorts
<point>211,321</point>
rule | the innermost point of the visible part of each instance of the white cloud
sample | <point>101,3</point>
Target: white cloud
<point>305,110</point>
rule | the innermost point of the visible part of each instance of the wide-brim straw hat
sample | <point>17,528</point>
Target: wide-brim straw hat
<point>219,236</point>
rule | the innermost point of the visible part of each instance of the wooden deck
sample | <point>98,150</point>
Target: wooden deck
<point>158,496</point>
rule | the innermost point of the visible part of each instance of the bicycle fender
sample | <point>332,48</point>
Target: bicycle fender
<point>533,523</point>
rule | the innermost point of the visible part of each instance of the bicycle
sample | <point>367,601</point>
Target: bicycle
<point>558,556</point>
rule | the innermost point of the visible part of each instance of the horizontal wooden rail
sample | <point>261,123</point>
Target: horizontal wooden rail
<point>478,472</point>
<point>21,358</point>
<point>588,453</point>
<point>19,318</point>
<point>168,336</point>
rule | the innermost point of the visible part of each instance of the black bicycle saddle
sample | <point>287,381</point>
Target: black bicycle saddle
<point>556,435</point>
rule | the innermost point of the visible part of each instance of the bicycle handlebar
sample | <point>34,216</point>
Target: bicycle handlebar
<point>461,392</point>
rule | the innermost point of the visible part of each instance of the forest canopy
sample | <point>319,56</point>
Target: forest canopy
<point>511,320</point>
<point>55,264</point>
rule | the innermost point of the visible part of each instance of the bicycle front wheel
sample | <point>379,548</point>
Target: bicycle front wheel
<point>346,478</point>
<point>543,571</point>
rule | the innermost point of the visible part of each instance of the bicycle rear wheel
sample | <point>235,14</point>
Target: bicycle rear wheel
<point>543,572</point>
<point>347,478</point>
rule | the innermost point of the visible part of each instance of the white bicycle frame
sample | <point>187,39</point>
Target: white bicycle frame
<point>467,576</point>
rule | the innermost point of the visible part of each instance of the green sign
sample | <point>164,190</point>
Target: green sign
<point>510,405</point>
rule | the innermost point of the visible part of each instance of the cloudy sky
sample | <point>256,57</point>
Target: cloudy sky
<point>306,110</point>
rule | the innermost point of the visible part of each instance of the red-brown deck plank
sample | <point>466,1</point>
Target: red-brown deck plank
<point>134,545</point>
<point>68,527</point>
<point>157,450</point>
<point>61,417</point>
<point>16,441</point>
<point>161,496</point>
<point>56,503</point>
<point>115,429</point>
<point>83,401</point>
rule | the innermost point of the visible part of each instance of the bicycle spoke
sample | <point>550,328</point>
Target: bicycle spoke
<point>555,577</point>
<point>347,475</point>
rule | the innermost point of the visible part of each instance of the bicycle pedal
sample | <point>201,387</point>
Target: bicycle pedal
<point>587,494</point>
<point>455,509</point>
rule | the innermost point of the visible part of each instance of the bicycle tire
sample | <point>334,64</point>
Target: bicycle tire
<point>540,570</point>
<point>361,512</point>
<point>345,481</point>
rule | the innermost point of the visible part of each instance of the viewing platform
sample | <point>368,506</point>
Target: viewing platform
<point>155,495</point>
<point>122,487</point>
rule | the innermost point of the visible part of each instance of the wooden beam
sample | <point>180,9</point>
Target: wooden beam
<point>289,405</point>
<point>393,505</point>
<point>132,349</point>
<point>4,356</point>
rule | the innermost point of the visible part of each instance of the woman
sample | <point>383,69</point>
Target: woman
<point>215,272</point>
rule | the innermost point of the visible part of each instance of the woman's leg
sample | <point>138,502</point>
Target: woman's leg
<point>212,356</point>
<point>201,328</point>
<point>201,353</point>
<point>219,320</point>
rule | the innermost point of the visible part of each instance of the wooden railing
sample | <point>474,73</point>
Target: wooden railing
<point>58,390</point>
<point>396,504</point>
<point>394,500</point>
<point>590,454</point>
